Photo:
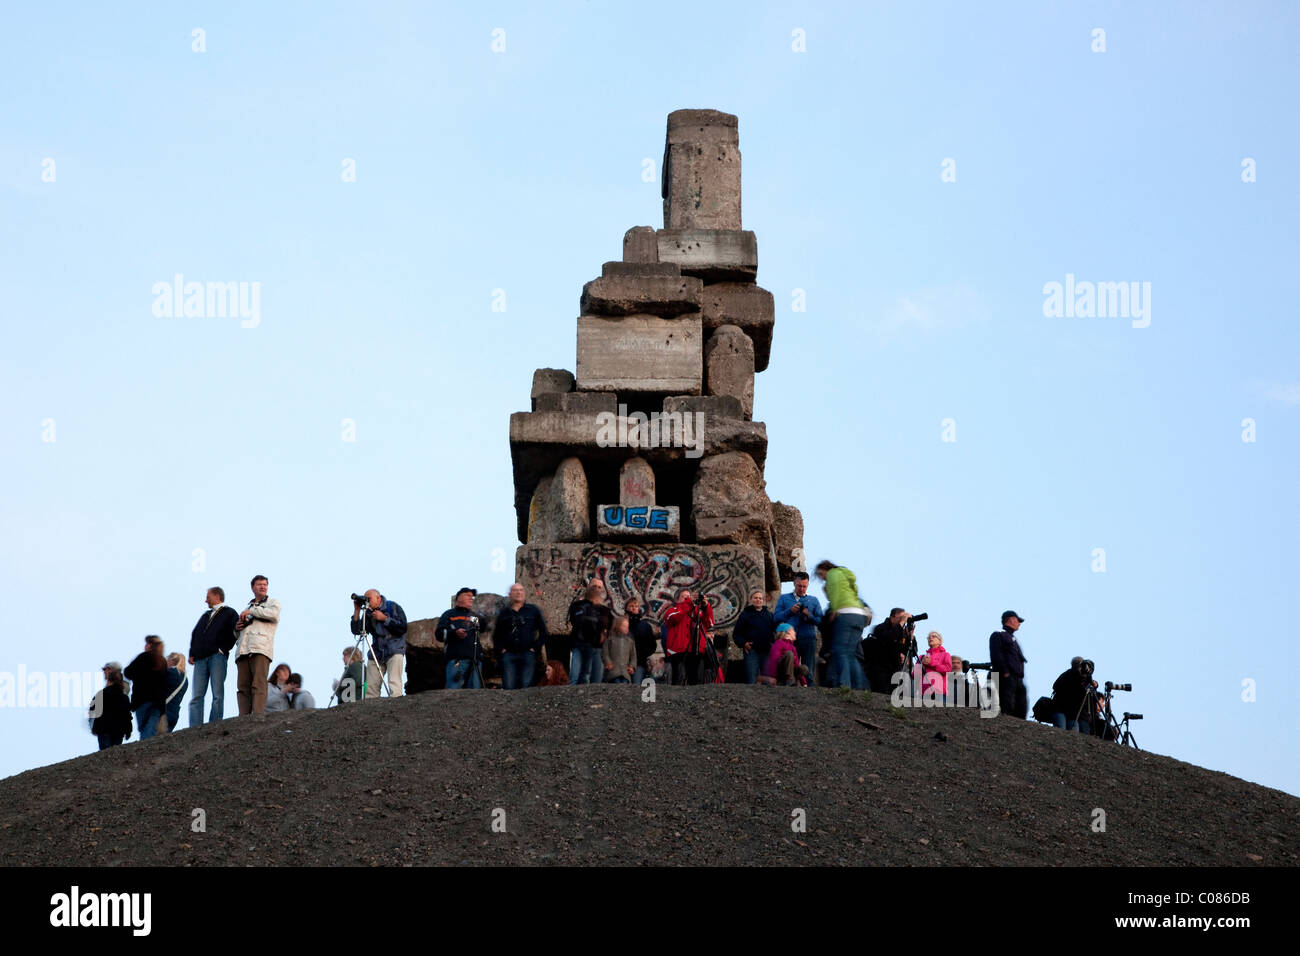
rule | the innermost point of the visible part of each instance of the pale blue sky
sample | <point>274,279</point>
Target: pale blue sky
<point>520,171</point>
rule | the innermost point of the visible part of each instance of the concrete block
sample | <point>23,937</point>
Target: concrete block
<point>729,502</point>
<point>636,483</point>
<point>561,506</point>
<point>638,522</point>
<point>547,381</point>
<point>641,353</point>
<point>710,406</point>
<point>703,126</point>
<point>746,306</point>
<point>555,575</point>
<point>729,366</point>
<point>701,186</point>
<point>787,535</point>
<point>714,255</point>
<point>640,245</point>
<point>665,296</point>
<point>640,268</point>
<point>585,402</point>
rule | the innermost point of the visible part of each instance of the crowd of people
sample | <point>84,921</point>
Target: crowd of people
<point>798,643</point>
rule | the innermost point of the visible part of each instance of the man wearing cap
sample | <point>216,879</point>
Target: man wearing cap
<point>386,624</point>
<point>1009,663</point>
<point>458,629</point>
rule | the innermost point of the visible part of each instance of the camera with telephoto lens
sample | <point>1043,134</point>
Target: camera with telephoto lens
<point>360,599</point>
<point>1110,686</point>
<point>1085,669</point>
<point>912,621</point>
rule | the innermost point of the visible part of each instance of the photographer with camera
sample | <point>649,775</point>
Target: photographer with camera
<point>888,648</point>
<point>803,612</point>
<point>689,625</point>
<point>1009,663</point>
<point>458,629</point>
<point>1070,697</point>
<point>385,622</point>
<point>849,616</point>
<point>518,634</point>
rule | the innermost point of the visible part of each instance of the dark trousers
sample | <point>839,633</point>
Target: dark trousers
<point>685,668</point>
<point>109,740</point>
<point>1013,700</point>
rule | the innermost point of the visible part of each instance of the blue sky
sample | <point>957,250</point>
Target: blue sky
<point>520,170</point>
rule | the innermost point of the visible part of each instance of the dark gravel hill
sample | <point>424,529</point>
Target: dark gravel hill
<point>703,775</point>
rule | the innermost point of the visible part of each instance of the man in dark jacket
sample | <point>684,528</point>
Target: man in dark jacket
<point>589,623</point>
<point>210,643</point>
<point>644,634</point>
<point>1009,663</point>
<point>886,651</point>
<point>386,624</point>
<point>1068,712</point>
<point>518,634</point>
<point>753,634</point>
<point>148,675</point>
<point>459,629</point>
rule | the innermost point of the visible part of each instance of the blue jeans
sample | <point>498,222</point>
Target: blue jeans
<point>146,719</point>
<point>807,648</point>
<point>1061,722</point>
<point>844,669</point>
<point>753,666</point>
<point>638,675</point>
<point>208,669</point>
<point>585,665</point>
<point>517,669</point>
<point>462,675</point>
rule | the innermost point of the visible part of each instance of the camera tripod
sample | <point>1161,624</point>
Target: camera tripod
<point>1120,729</point>
<point>369,655</point>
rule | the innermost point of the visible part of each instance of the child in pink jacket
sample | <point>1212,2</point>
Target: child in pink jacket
<point>781,646</point>
<point>935,666</point>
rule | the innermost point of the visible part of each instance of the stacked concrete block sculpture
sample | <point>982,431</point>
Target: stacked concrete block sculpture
<point>644,467</point>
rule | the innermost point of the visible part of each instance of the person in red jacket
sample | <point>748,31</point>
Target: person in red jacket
<point>690,624</point>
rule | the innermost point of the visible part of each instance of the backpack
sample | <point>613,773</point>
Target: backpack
<point>1043,710</point>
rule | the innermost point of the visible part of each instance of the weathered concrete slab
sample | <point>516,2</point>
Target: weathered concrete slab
<point>539,441</point>
<point>711,406</point>
<point>554,576</point>
<point>665,296</point>
<point>641,353</point>
<point>701,186</point>
<point>640,245</point>
<point>548,381</point>
<point>561,506</point>
<point>638,522</point>
<point>714,255</point>
<point>636,483</point>
<point>729,502</point>
<point>585,402</point>
<point>745,305</point>
<point>640,268</point>
<point>787,533</point>
<point>703,126</point>
<point>729,366</point>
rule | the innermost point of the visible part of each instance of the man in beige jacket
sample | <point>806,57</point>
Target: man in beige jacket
<point>256,630</point>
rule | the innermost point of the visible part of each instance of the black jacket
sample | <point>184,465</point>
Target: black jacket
<point>214,633</point>
<point>114,708</point>
<point>1005,653</point>
<point>460,648</point>
<point>887,641</point>
<point>646,636</point>
<point>147,685</point>
<point>590,622</point>
<point>1067,694</point>
<point>757,628</point>
<point>521,630</point>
